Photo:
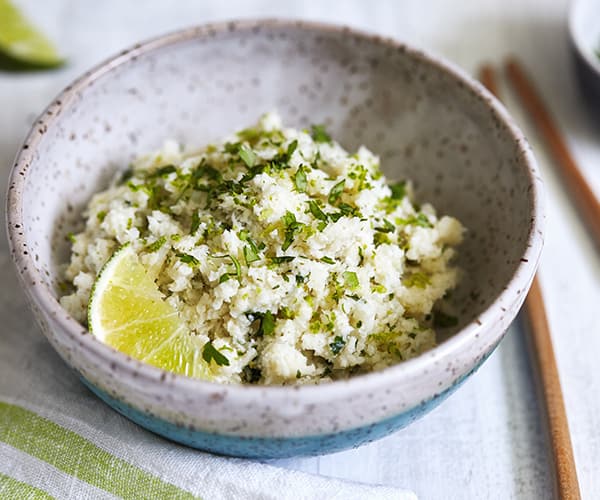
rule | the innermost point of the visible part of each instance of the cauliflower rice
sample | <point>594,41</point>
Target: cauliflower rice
<point>293,257</point>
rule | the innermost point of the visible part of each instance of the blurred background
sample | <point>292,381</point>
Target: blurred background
<point>487,440</point>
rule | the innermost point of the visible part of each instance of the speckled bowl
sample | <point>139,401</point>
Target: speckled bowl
<point>425,117</point>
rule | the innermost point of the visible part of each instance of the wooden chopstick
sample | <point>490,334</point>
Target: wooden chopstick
<point>581,192</point>
<point>543,355</point>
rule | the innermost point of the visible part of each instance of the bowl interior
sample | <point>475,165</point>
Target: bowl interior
<point>424,122</point>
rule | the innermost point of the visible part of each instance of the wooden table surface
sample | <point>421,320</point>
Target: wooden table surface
<point>487,440</point>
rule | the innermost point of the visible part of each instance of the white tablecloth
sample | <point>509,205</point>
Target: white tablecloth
<point>486,441</point>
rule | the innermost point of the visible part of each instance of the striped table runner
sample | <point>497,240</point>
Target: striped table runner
<point>57,440</point>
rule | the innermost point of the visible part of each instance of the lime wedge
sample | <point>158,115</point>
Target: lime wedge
<point>127,311</point>
<point>22,42</point>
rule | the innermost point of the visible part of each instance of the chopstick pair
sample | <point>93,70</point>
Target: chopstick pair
<point>543,353</point>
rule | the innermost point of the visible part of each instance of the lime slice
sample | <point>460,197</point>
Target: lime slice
<point>127,311</point>
<point>22,42</point>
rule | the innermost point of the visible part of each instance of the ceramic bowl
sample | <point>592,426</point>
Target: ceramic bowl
<point>425,117</point>
<point>584,32</point>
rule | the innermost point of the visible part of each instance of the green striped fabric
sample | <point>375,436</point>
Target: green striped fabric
<point>11,488</point>
<point>74,455</point>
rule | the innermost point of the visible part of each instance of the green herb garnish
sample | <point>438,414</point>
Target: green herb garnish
<point>101,215</point>
<point>388,227</point>
<point>211,353</point>
<point>163,171</point>
<point>195,223</point>
<point>236,263</point>
<point>336,192</point>
<point>153,247</point>
<point>337,345</point>
<point>247,155</point>
<point>292,226</point>
<point>351,279</point>
<point>319,134</point>
<point>300,180</point>
<point>327,260</point>
<point>316,211</point>
<point>186,258</point>
<point>290,149</point>
<point>416,220</point>
<point>398,190</point>
<point>281,259</point>
<point>251,254</point>
<point>268,323</point>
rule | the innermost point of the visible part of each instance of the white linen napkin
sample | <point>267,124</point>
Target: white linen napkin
<point>57,440</point>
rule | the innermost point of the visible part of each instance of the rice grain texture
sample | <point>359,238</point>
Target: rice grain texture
<point>293,257</point>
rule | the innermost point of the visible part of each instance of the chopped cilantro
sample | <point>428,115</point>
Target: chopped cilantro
<point>381,238</point>
<point>186,258</point>
<point>388,227</point>
<point>251,254</point>
<point>327,260</point>
<point>319,134</point>
<point>351,279</point>
<point>292,226</point>
<point>398,190</point>
<point>336,192</point>
<point>337,345</point>
<point>248,156</point>
<point>316,211</point>
<point>236,263</point>
<point>153,247</point>
<point>281,259</point>
<point>443,320</point>
<point>204,170</point>
<point>249,134</point>
<point>71,237</point>
<point>211,353</point>
<point>290,149</point>
<point>300,279</point>
<point>231,147</point>
<point>422,220</point>
<point>346,209</point>
<point>361,256</point>
<point>416,220</point>
<point>195,223</point>
<point>300,180</point>
<point>163,171</point>
<point>268,323</point>
<point>101,215</point>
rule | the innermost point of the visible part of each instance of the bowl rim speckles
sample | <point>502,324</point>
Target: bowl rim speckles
<point>41,294</point>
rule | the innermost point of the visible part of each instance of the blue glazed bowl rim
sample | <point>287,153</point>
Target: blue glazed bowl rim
<point>42,295</point>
